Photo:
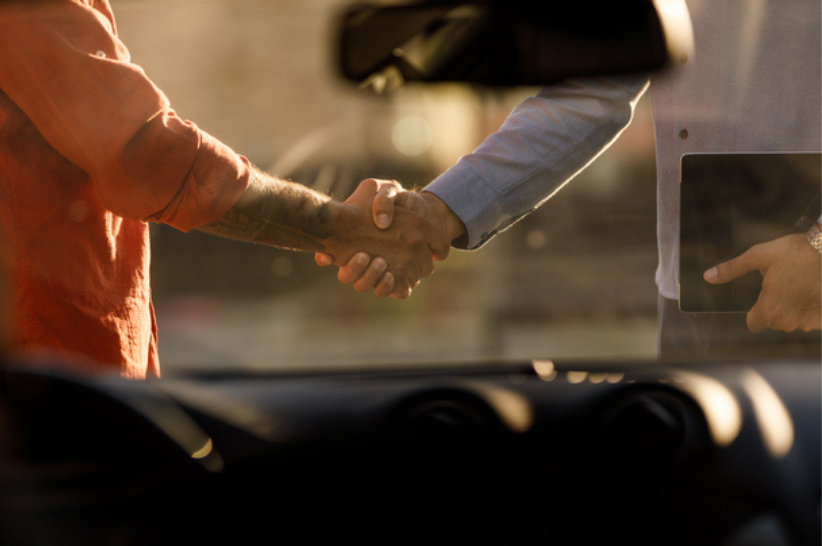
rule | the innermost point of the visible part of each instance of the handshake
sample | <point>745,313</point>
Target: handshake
<point>405,233</point>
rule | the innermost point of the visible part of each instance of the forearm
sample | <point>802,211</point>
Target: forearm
<point>278,213</point>
<point>544,143</point>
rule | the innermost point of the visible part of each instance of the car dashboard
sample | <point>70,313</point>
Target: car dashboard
<point>515,452</point>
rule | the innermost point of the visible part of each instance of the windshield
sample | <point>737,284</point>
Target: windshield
<point>573,279</point>
<point>583,276</point>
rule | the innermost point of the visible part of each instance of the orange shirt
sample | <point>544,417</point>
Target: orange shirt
<point>89,151</point>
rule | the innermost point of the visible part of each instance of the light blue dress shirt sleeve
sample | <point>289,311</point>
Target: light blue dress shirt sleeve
<point>542,145</point>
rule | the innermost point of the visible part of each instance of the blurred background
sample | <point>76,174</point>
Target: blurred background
<point>574,279</point>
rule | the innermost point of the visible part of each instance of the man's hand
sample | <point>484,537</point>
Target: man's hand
<point>791,283</point>
<point>388,201</point>
<point>288,215</point>
<point>403,249</point>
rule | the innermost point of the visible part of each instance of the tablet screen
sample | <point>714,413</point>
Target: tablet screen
<point>731,202</point>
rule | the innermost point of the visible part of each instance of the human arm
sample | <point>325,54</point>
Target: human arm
<point>66,69</point>
<point>791,295</point>
<point>289,215</point>
<point>542,145</point>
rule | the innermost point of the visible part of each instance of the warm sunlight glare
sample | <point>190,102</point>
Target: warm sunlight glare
<point>204,451</point>
<point>545,370</point>
<point>721,408</point>
<point>412,136</point>
<point>773,418</point>
<point>513,409</point>
<point>676,22</point>
<point>577,377</point>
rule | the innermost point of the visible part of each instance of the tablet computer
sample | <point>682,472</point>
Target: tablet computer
<point>730,202</point>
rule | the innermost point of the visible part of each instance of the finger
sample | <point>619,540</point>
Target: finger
<point>403,285</point>
<point>757,323</point>
<point>812,320</point>
<point>366,190</point>
<point>372,275</point>
<point>439,245</point>
<point>758,319</point>
<point>401,293</point>
<point>409,200</point>
<point>734,268</point>
<point>426,268</point>
<point>787,320</point>
<point>422,265</point>
<point>354,269</point>
<point>420,269</point>
<point>385,286</point>
<point>382,209</point>
<point>323,259</point>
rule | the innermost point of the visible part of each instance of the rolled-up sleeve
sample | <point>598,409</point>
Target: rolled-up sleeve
<point>63,65</point>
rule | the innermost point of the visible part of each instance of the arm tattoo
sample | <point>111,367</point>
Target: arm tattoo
<point>277,213</point>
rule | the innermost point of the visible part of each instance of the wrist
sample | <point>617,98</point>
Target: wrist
<point>342,236</point>
<point>341,219</point>
<point>445,218</point>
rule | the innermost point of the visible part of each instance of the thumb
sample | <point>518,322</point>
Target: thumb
<point>732,269</point>
<point>382,208</point>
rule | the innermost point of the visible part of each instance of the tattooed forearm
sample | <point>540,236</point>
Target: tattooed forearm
<point>236,224</point>
<point>277,213</point>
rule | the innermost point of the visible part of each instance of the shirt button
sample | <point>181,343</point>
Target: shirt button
<point>683,134</point>
<point>683,58</point>
<point>101,53</point>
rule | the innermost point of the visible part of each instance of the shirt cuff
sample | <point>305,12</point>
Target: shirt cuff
<point>473,200</point>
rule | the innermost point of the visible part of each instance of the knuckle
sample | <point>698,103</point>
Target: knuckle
<point>401,292</point>
<point>382,203</point>
<point>390,185</point>
<point>370,184</point>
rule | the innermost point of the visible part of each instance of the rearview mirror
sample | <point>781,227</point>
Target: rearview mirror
<point>509,42</point>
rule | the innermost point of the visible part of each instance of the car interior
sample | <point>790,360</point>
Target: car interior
<point>513,448</point>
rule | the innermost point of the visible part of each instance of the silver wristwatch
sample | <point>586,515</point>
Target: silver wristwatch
<point>814,237</point>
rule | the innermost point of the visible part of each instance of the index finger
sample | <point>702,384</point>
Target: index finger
<point>757,318</point>
<point>733,268</point>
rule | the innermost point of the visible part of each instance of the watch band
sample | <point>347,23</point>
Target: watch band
<point>814,237</point>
